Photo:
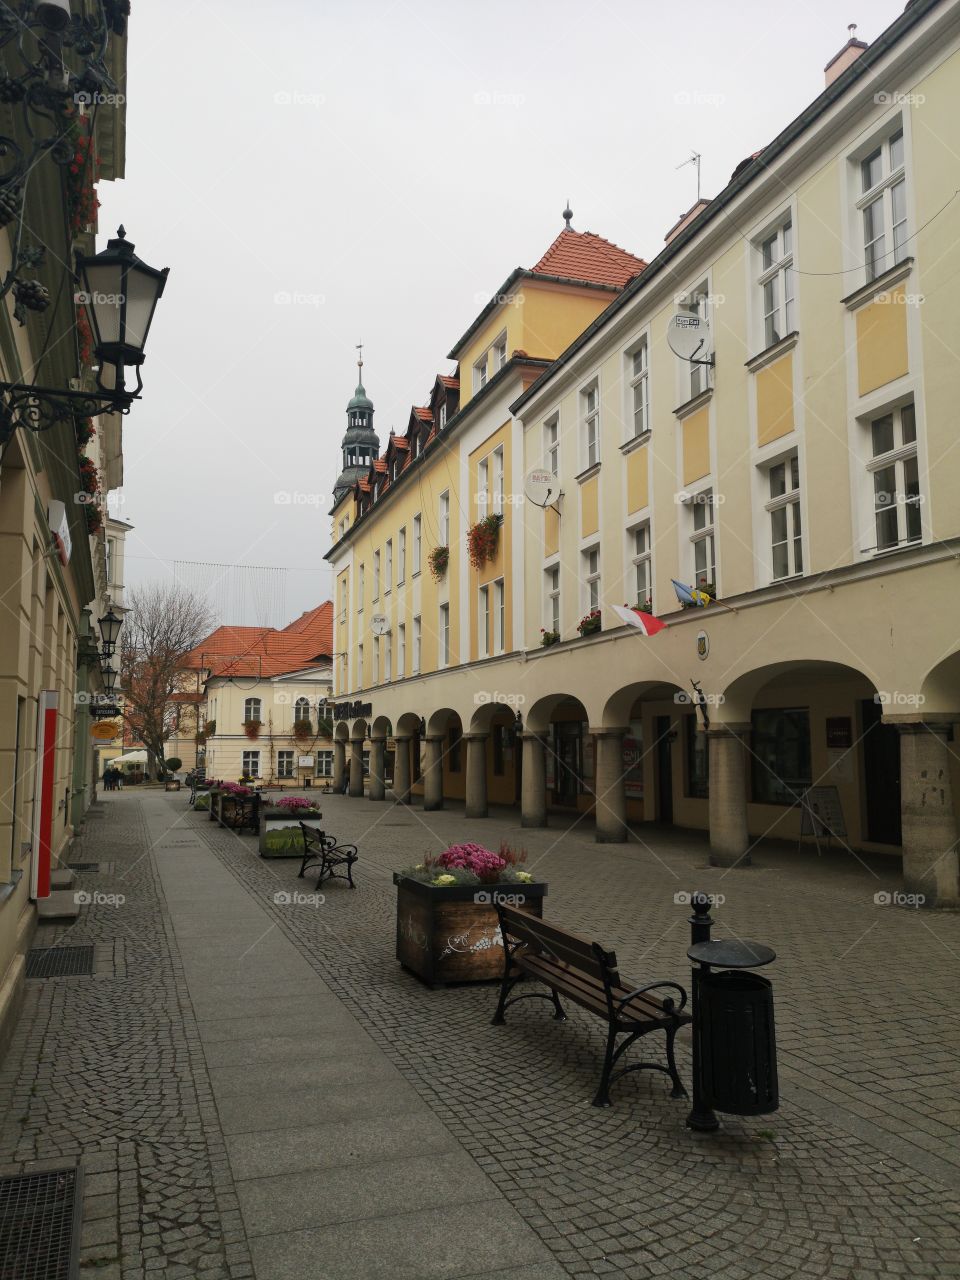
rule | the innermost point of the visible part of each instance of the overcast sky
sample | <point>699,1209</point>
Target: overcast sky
<point>315,172</point>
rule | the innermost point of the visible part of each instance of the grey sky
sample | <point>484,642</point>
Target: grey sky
<point>385,165</point>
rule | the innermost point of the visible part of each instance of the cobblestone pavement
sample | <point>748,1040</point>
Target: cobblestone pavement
<point>856,1177</point>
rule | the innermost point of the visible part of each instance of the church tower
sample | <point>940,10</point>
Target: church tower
<point>360,444</point>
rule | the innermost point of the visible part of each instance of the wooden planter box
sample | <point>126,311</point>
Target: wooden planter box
<point>214,811</point>
<point>227,811</point>
<point>280,834</point>
<point>446,935</point>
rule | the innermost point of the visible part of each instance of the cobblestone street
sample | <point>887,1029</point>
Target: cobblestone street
<point>256,1088</point>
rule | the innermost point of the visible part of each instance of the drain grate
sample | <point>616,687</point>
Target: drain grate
<point>40,1225</point>
<point>60,962</point>
<point>84,866</point>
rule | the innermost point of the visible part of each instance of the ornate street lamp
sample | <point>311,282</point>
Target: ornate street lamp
<point>110,625</point>
<point>109,675</point>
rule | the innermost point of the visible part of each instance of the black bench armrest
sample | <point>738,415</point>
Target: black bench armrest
<point>669,1005</point>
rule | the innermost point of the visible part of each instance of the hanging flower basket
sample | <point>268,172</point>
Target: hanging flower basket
<point>589,623</point>
<point>483,539</point>
<point>252,729</point>
<point>302,730</point>
<point>438,560</point>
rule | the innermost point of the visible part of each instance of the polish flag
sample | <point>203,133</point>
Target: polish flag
<point>644,622</point>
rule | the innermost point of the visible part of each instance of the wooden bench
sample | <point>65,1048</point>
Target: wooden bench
<point>587,974</point>
<point>321,850</point>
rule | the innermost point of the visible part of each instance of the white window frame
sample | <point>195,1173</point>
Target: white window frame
<point>417,645</point>
<point>893,176</point>
<point>642,561</point>
<point>900,458</point>
<point>253,756</point>
<point>388,567</point>
<point>638,389</point>
<point>444,506</point>
<point>360,665</point>
<point>695,378</point>
<point>703,500</point>
<point>497,496</point>
<point>401,650</point>
<point>441,415</point>
<point>376,660</point>
<point>590,423</point>
<point>402,556</point>
<point>480,373</point>
<point>417,542</point>
<point>592,577</point>
<point>778,320</point>
<point>483,622</point>
<point>248,709</point>
<point>790,502</point>
<point>324,764</point>
<point>551,597</point>
<point>443,636</point>
<point>551,444</point>
<point>387,657</point>
<point>499,617</point>
<point>500,351</point>
<point>376,575</point>
<point>289,758</point>
<point>360,587</point>
<point>483,487</point>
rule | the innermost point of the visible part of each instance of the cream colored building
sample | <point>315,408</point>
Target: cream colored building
<point>807,473</point>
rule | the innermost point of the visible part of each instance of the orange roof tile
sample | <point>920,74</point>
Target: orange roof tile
<point>580,255</point>
<point>424,414</point>
<point>448,381</point>
<point>265,651</point>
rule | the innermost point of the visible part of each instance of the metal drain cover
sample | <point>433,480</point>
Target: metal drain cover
<point>40,1225</point>
<point>59,962</point>
<point>84,866</point>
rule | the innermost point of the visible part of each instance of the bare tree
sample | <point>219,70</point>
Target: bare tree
<point>162,625</point>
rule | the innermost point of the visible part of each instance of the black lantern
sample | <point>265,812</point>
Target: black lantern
<point>120,293</point>
<point>109,674</point>
<point>110,625</point>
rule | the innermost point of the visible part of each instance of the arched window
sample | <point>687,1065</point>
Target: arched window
<point>251,709</point>
<point>301,709</point>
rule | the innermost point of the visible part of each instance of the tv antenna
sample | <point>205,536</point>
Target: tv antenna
<point>694,159</point>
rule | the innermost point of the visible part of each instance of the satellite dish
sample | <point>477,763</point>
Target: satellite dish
<point>688,336</point>
<point>541,487</point>
<point>379,624</point>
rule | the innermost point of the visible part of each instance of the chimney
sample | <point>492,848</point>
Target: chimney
<point>684,220</point>
<point>850,52</point>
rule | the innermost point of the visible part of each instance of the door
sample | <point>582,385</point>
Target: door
<point>569,763</point>
<point>663,736</point>
<point>880,754</point>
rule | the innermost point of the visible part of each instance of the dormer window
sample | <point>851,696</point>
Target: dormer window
<point>442,419</point>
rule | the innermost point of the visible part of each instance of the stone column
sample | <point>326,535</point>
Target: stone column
<point>610,792</point>
<point>356,767</point>
<point>378,787</point>
<point>533,798</point>
<point>401,770</point>
<point>476,775</point>
<point>928,818</point>
<point>433,773</point>
<point>339,762</point>
<point>729,840</point>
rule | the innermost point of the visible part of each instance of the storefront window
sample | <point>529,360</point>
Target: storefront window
<point>780,755</point>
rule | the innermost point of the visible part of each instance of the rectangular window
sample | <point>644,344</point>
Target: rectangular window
<point>590,416</point>
<point>499,617</point>
<point>324,764</point>
<point>641,555</point>
<point>698,760</point>
<point>483,482</point>
<point>497,497</point>
<point>483,614</point>
<point>388,566</point>
<point>284,764</point>
<point>882,204</point>
<point>776,282</point>
<point>786,542</point>
<point>376,660</point>
<point>500,352</point>
<point>551,444</point>
<point>780,755</point>
<point>251,764</point>
<point>401,651</point>
<point>416,543</point>
<point>360,586</point>
<point>388,657</point>
<point>638,377</point>
<point>551,614</point>
<point>895,477</point>
<point>696,305</point>
<point>417,640</point>
<point>702,541</point>
<point>591,577</point>
<point>442,416</point>
<point>480,374</point>
<point>444,637</point>
<point>359,666</point>
<point>376,575</point>
<point>445,519</point>
<point>401,557</point>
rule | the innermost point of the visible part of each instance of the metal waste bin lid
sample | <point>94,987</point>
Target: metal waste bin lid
<point>732,953</point>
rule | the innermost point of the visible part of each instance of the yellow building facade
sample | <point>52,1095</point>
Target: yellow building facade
<point>800,466</point>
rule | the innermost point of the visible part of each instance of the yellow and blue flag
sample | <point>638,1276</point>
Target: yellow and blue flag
<point>690,596</point>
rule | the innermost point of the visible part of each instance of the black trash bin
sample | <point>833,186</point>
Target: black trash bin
<point>737,1044</point>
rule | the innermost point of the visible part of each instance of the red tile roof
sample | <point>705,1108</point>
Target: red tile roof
<point>448,381</point>
<point>423,413</point>
<point>580,255</point>
<point>265,651</point>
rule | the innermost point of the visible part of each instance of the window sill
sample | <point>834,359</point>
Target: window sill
<point>636,442</point>
<point>772,353</point>
<point>692,405</point>
<point>588,474</point>
<point>868,293</point>
<point>875,553</point>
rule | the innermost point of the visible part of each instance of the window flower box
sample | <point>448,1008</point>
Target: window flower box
<point>590,623</point>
